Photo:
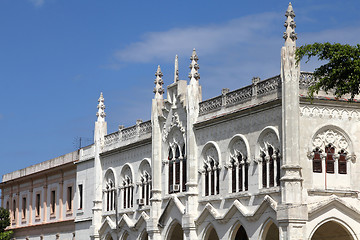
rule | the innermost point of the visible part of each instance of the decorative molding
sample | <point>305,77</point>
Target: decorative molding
<point>333,137</point>
<point>329,112</point>
<point>175,122</point>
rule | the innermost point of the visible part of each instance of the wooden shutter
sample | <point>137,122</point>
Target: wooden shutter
<point>330,159</point>
<point>317,166</point>
<point>342,163</point>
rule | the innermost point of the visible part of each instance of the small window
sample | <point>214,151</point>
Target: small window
<point>7,205</point>
<point>317,166</point>
<point>14,210</point>
<point>330,159</point>
<point>52,202</point>
<point>24,207</point>
<point>342,162</point>
<point>69,198</point>
<point>37,205</point>
<point>80,196</point>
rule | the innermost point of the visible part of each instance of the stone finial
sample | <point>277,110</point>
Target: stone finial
<point>158,90</point>
<point>101,109</point>
<point>176,73</point>
<point>289,35</point>
<point>194,66</point>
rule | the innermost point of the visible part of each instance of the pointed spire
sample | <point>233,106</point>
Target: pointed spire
<point>289,35</point>
<point>158,90</point>
<point>194,66</point>
<point>101,109</point>
<point>176,73</point>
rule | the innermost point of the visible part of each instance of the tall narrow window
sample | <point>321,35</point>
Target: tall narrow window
<point>80,196</point>
<point>145,188</point>
<point>211,173</point>
<point>233,175</point>
<point>317,166</point>
<point>24,207</point>
<point>240,164</point>
<point>264,170</point>
<point>246,175</point>
<point>206,180</point>
<point>278,168</point>
<point>52,202</point>
<point>342,162</point>
<point>184,176</point>
<point>171,174</point>
<point>271,167</point>
<point>14,210</point>
<point>69,198</point>
<point>37,205</point>
<point>177,169</point>
<point>7,205</point>
<point>329,159</point>
<point>127,193</point>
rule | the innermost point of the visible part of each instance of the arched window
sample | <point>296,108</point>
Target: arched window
<point>270,160</point>
<point>110,196</point>
<point>128,190</point>
<point>211,171</point>
<point>331,146</point>
<point>110,191</point>
<point>240,173</point>
<point>145,188</point>
<point>177,168</point>
<point>145,183</point>
<point>127,187</point>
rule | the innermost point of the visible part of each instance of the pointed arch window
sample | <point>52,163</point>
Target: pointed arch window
<point>110,195</point>
<point>128,192</point>
<point>146,188</point>
<point>211,172</point>
<point>270,164</point>
<point>240,173</point>
<point>177,169</point>
<point>331,149</point>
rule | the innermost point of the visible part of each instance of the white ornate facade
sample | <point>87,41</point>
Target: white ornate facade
<point>260,162</point>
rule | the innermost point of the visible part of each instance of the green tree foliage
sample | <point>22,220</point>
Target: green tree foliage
<point>340,74</point>
<point>4,222</point>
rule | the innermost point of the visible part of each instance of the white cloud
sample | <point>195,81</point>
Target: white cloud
<point>37,3</point>
<point>210,39</point>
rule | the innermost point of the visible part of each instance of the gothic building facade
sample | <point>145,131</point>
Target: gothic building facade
<point>261,162</point>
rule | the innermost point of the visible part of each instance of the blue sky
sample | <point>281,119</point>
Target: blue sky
<point>57,56</point>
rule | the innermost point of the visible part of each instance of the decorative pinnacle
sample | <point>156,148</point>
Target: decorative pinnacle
<point>289,35</point>
<point>101,109</point>
<point>176,73</point>
<point>158,90</point>
<point>194,66</point>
